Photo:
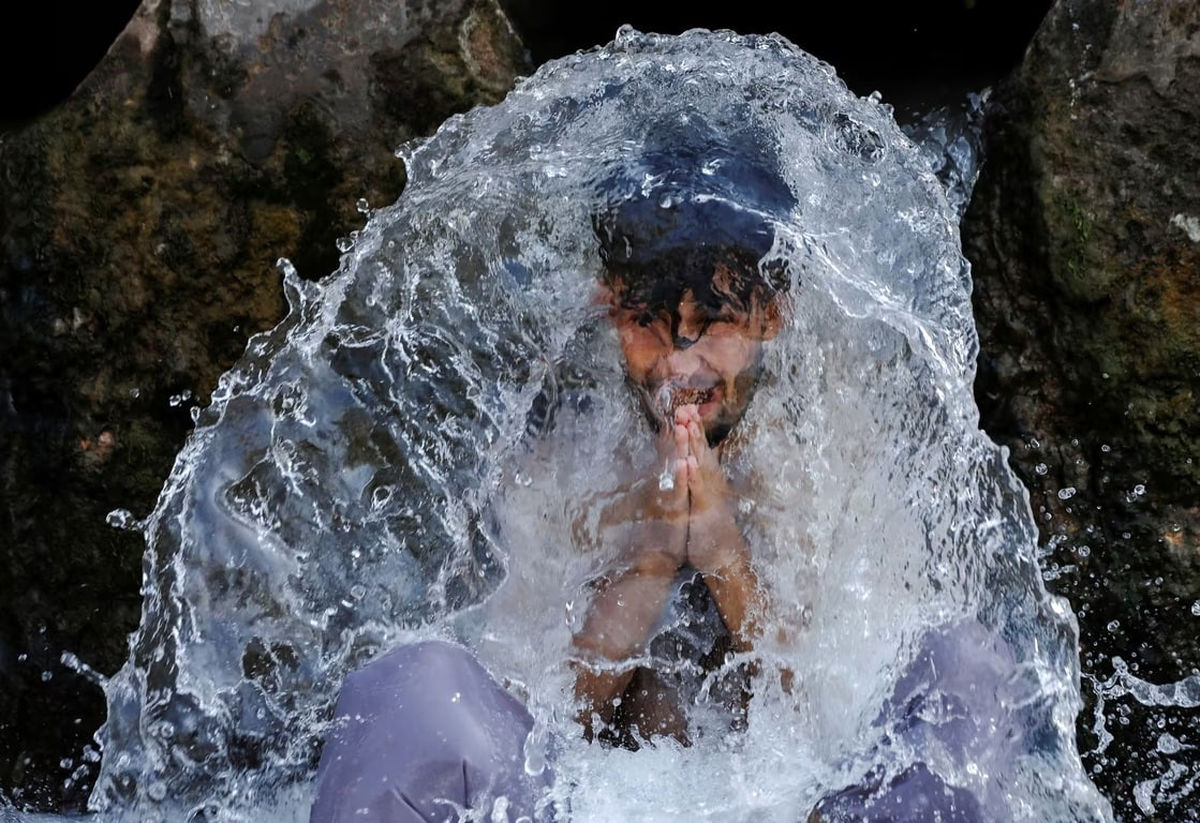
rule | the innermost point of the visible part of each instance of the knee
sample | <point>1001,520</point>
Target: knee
<point>418,668</point>
<point>440,660</point>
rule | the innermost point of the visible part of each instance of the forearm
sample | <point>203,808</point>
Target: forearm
<point>719,552</point>
<point>617,627</point>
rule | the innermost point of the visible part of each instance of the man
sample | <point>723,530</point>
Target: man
<point>693,308</point>
<point>692,317</point>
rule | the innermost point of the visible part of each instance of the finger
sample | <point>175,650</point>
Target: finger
<point>681,468</point>
<point>665,439</point>
<point>681,479</point>
<point>697,443</point>
<point>681,441</point>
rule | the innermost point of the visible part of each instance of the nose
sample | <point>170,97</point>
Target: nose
<point>690,322</point>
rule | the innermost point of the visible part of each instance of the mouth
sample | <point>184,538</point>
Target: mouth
<point>671,396</point>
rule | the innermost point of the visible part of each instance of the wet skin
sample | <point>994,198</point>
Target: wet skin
<point>716,357</point>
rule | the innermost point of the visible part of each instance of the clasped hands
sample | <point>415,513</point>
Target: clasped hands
<point>687,520</point>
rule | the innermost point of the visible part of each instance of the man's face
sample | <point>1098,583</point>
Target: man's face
<point>695,355</point>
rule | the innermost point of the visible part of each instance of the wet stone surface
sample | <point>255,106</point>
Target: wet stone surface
<point>1087,296</point>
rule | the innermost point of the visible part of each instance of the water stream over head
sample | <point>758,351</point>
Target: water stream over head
<point>425,447</point>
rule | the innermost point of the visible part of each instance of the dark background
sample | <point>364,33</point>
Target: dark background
<point>919,53</point>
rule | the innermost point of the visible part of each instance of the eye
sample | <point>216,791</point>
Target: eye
<point>726,315</point>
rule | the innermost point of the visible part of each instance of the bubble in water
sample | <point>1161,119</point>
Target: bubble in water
<point>1066,493</point>
<point>1196,608</point>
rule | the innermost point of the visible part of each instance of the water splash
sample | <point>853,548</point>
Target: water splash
<point>951,140</point>
<point>424,447</point>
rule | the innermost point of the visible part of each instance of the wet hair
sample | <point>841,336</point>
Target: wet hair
<point>693,202</point>
<point>650,266</point>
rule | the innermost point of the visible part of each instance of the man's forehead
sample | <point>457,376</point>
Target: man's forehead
<point>711,284</point>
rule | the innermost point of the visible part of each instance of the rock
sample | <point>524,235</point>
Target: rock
<point>1084,234</point>
<point>139,225</point>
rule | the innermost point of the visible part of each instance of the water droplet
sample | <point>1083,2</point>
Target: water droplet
<point>135,393</point>
<point>666,480</point>
<point>177,400</point>
<point>1196,609</point>
<point>1104,447</point>
<point>457,696</point>
<point>1113,625</point>
<point>362,205</point>
<point>122,519</point>
<point>1067,493</point>
<point>1169,744</point>
<point>1040,469</point>
<point>344,244</point>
